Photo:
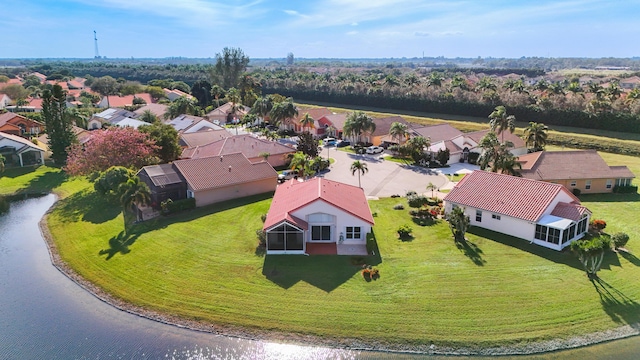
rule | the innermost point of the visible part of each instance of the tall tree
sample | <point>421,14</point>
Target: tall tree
<point>307,121</point>
<point>182,105</point>
<point>359,167</point>
<point>399,132</point>
<point>307,144</point>
<point>58,123</point>
<point>500,121</point>
<point>217,92</point>
<point>435,79</point>
<point>148,117</point>
<point>535,135</point>
<point>106,86</point>
<point>496,155</point>
<point>134,191</point>
<point>283,112</point>
<point>229,66</point>
<point>357,124</point>
<point>166,139</point>
<point>301,163</point>
<point>262,106</point>
<point>201,90</point>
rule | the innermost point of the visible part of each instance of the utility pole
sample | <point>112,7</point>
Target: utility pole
<point>95,41</point>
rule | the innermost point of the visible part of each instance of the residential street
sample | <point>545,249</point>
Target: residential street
<point>384,178</point>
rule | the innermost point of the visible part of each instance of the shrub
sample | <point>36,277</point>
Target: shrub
<point>416,201</point>
<point>263,217</point>
<point>629,189</point>
<point>169,206</point>
<point>576,191</point>
<point>619,240</point>
<point>432,201</point>
<point>598,225</point>
<point>473,157</point>
<point>398,207</point>
<point>410,193</point>
<point>262,237</point>
<point>404,231</point>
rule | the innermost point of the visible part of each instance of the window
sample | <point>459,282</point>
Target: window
<point>285,237</point>
<point>582,226</point>
<point>623,182</point>
<point>572,231</point>
<point>587,185</point>
<point>353,232</point>
<point>554,236</point>
<point>573,183</point>
<point>541,232</point>
<point>494,216</point>
<point>321,233</point>
<point>190,194</point>
<point>478,215</point>
<point>609,183</point>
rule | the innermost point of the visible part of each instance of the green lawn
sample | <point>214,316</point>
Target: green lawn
<point>203,265</point>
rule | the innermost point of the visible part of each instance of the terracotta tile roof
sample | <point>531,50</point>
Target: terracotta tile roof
<point>383,125</point>
<point>36,103</point>
<point>12,118</point>
<point>437,133</point>
<point>567,165</point>
<point>315,113</point>
<point>225,109</point>
<point>122,101</point>
<point>157,109</point>
<point>248,145</point>
<point>569,211</point>
<point>515,139</point>
<point>221,171</point>
<point>293,195</point>
<point>200,138</point>
<point>513,196</point>
<point>336,120</point>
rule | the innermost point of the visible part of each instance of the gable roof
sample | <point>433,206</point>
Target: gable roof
<point>314,113</point>
<point>204,137</point>
<point>293,195</point>
<point>335,120</point>
<point>221,171</point>
<point>513,196</point>
<point>437,133</point>
<point>127,100</point>
<point>476,136</point>
<point>383,125</point>
<point>566,165</point>
<point>156,109</point>
<point>112,115</point>
<point>248,145</point>
<point>225,109</point>
<point>185,122</point>
<point>13,118</point>
<point>20,144</point>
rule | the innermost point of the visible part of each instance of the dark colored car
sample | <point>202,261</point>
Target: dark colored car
<point>343,143</point>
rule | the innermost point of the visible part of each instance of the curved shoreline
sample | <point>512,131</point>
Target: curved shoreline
<point>311,340</point>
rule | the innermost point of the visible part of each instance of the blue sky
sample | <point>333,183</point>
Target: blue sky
<point>320,28</point>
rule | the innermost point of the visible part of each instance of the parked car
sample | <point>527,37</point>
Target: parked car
<point>329,141</point>
<point>287,174</point>
<point>374,150</point>
<point>343,143</point>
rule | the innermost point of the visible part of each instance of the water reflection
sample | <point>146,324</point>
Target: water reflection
<point>44,315</point>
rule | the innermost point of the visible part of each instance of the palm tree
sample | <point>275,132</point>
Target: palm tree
<point>217,92</point>
<point>497,156</point>
<point>331,130</point>
<point>148,116</point>
<point>633,95</point>
<point>262,106</point>
<point>2,161</point>
<point>283,111</point>
<point>500,121</point>
<point>301,163</point>
<point>613,91</point>
<point>181,105</point>
<point>432,187</point>
<point>399,131</point>
<point>78,118</point>
<point>535,135</point>
<point>508,163</point>
<point>359,167</point>
<point>486,84</point>
<point>307,121</point>
<point>358,123</point>
<point>435,79</point>
<point>133,192</point>
<point>21,102</point>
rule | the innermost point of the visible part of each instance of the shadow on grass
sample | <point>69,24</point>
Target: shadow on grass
<point>326,272</point>
<point>610,197</point>
<point>472,251</point>
<point>120,244</point>
<point>14,172</point>
<point>423,221</point>
<point>630,257</point>
<point>44,183</point>
<point>565,257</point>
<point>617,305</point>
<point>88,206</point>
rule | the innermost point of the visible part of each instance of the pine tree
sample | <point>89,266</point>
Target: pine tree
<point>59,125</point>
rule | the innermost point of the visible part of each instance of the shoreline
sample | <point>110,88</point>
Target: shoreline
<point>311,340</point>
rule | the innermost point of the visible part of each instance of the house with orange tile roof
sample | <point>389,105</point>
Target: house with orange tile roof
<point>333,120</point>
<point>318,216</point>
<point>19,125</point>
<point>584,170</point>
<point>540,212</point>
<point>219,178</point>
<point>630,82</point>
<point>122,101</point>
<point>173,94</point>
<point>222,114</point>
<point>203,137</point>
<point>315,113</point>
<point>252,147</point>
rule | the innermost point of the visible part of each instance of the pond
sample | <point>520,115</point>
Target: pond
<point>44,315</point>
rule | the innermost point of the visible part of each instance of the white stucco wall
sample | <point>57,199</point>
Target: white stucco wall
<point>506,225</point>
<point>343,219</point>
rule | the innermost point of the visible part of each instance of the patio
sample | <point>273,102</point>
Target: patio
<point>336,249</point>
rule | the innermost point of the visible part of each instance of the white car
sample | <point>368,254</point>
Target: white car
<point>374,150</point>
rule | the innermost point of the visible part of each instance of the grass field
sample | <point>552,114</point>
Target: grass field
<point>203,265</point>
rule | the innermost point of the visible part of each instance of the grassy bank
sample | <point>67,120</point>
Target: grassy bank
<point>203,265</point>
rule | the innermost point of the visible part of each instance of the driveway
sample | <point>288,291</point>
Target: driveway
<point>384,178</point>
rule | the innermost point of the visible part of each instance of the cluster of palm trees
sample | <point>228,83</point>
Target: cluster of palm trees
<point>358,124</point>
